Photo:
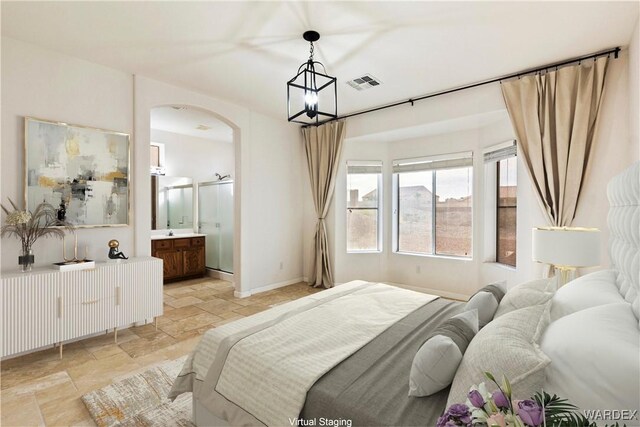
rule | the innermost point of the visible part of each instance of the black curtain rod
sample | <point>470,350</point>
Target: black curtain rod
<point>615,51</point>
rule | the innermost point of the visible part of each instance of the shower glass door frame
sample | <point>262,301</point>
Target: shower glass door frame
<point>216,221</point>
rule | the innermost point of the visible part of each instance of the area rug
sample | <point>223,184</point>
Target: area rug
<point>141,400</point>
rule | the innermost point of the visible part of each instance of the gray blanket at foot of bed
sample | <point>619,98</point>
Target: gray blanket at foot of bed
<point>371,387</point>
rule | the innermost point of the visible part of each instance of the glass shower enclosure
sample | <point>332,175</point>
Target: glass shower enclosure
<point>215,219</point>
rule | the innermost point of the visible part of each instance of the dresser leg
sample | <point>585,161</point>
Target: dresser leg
<point>61,350</point>
<point>115,334</point>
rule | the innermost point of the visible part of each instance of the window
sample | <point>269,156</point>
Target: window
<point>415,212</point>
<point>501,182</point>
<point>157,159</point>
<point>155,156</point>
<point>506,209</point>
<point>363,206</point>
<point>433,205</point>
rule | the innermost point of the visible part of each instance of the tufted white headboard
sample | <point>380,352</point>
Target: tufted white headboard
<point>623,192</point>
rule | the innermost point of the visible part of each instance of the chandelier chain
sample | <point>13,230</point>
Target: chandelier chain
<point>311,51</point>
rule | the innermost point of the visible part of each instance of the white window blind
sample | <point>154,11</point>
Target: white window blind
<point>447,161</point>
<point>362,167</point>
<point>500,152</point>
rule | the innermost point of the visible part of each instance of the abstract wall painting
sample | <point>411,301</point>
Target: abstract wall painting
<point>82,171</point>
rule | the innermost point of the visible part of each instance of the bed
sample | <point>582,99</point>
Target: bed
<point>342,356</point>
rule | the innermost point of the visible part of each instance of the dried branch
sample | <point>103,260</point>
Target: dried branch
<point>28,227</point>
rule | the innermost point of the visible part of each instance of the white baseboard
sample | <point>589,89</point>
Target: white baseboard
<point>266,288</point>
<point>217,274</point>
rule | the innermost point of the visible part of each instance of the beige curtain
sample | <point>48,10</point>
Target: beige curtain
<point>555,116</point>
<point>323,146</point>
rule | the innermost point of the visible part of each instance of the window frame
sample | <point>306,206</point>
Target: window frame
<point>497,214</point>
<point>161,169</point>
<point>378,208</point>
<point>490,188</point>
<point>396,207</point>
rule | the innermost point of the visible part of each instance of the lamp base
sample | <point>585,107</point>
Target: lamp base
<point>565,274</point>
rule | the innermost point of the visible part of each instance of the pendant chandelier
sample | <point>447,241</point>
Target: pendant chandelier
<point>312,96</point>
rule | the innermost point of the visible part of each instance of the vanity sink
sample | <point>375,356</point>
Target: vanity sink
<point>176,236</point>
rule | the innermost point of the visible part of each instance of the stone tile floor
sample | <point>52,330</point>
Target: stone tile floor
<point>40,389</point>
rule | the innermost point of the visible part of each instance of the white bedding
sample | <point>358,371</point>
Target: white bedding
<point>267,373</point>
<point>205,352</point>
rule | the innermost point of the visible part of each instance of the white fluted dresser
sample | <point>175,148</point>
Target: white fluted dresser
<point>48,307</point>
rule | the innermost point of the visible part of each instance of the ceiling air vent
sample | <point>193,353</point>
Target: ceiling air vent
<point>203,127</point>
<point>365,82</point>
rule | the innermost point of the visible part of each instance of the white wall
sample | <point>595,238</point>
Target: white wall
<point>194,157</point>
<point>634,87</point>
<point>276,158</point>
<point>468,120</point>
<point>267,153</point>
<point>47,85</point>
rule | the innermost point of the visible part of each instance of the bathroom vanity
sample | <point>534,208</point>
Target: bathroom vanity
<point>183,255</point>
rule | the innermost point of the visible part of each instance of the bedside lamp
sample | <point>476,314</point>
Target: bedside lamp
<point>566,249</point>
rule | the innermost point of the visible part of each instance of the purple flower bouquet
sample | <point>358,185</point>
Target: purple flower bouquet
<point>497,409</point>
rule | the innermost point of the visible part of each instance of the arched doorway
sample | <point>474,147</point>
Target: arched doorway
<point>194,159</point>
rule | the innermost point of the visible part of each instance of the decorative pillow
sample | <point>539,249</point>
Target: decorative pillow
<point>486,301</point>
<point>436,362</point>
<point>588,291</point>
<point>595,358</point>
<point>506,346</point>
<point>527,294</point>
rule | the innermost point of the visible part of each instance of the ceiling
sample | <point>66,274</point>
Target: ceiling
<point>187,121</point>
<point>244,52</point>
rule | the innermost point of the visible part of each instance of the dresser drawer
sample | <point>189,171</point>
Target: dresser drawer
<point>162,244</point>
<point>197,241</point>
<point>87,317</point>
<point>182,243</point>
<point>83,287</point>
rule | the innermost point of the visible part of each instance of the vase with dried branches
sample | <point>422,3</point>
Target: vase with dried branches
<point>29,226</point>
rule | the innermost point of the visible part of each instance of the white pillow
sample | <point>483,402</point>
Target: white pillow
<point>527,294</point>
<point>436,362</point>
<point>486,301</point>
<point>588,291</point>
<point>506,346</point>
<point>595,358</point>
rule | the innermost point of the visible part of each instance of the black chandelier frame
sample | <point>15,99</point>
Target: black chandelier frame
<point>309,74</point>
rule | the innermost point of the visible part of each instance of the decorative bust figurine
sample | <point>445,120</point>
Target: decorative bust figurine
<point>114,253</point>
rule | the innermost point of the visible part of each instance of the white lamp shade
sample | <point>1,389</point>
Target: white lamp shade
<point>567,246</point>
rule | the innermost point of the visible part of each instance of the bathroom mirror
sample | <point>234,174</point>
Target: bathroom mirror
<point>171,202</point>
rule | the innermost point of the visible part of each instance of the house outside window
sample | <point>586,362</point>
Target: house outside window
<point>364,199</point>
<point>433,205</point>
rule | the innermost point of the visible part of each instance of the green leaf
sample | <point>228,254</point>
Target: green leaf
<point>491,377</point>
<point>507,386</point>
<point>559,412</point>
